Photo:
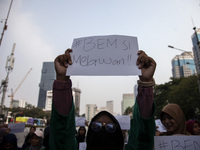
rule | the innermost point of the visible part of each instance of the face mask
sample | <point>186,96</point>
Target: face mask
<point>104,140</point>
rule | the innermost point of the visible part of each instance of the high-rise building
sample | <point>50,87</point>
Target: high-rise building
<point>196,49</point>
<point>15,103</point>
<point>109,107</point>
<point>76,96</point>
<point>183,65</point>
<point>47,78</point>
<point>19,103</point>
<point>101,109</point>
<point>90,111</point>
<point>49,98</point>
<point>128,101</point>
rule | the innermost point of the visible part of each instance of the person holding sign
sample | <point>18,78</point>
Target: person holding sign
<point>104,132</point>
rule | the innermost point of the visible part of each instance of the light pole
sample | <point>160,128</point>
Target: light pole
<point>9,67</point>
<point>181,50</point>
<point>198,78</point>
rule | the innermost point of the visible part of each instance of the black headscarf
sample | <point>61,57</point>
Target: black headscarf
<point>79,137</point>
<point>104,140</point>
<point>10,138</point>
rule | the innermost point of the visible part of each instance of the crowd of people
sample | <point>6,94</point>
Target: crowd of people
<point>34,140</point>
<point>104,131</point>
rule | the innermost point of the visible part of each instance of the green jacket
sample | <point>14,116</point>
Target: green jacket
<point>142,131</point>
<point>63,129</point>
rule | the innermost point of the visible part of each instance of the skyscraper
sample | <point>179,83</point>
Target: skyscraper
<point>49,98</point>
<point>76,96</point>
<point>196,49</point>
<point>90,111</point>
<point>128,101</point>
<point>46,83</point>
<point>183,65</point>
<point>19,103</point>
<point>109,106</point>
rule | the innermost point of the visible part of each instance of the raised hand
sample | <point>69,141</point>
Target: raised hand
<point>61,63</point>
<point>147,66</point>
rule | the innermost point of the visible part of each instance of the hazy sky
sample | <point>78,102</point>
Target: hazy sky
<point>44,29</point>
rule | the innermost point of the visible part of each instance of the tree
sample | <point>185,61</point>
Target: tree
<point>35,112</point>
<point>182,91</point>
<point>29,106</point>
<point>128,111</point>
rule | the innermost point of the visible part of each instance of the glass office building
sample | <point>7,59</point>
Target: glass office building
<point>183,65</point>
<point>196,49</point>
<point>48,75</point>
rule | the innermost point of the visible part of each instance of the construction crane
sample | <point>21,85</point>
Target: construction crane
<point>13,93</point>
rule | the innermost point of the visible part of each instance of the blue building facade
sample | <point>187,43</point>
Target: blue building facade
<point>196,49</point>
<point>183,65</point>
<point>48,75</point>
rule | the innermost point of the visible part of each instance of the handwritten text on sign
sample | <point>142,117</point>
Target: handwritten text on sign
<point>177,142</point>
<point>104,55</point>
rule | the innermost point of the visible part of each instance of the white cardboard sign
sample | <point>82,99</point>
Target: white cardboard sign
<point>80,121</point>
<point>112,55</point>
<point>124,121</point>
<point>82,146</point>
<point>16,127</point>
<point>177,142</point>
<point>160,126</point>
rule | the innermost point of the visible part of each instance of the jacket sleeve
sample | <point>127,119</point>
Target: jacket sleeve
<point>62,124</point>
<point>62,96</point>
<point>142,131</point>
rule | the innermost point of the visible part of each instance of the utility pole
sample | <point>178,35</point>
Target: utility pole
<point>9,67</point>
<point>5,24</point>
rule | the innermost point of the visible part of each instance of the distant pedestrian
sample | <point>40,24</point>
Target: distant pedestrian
<point>80,137</point>
<point>3,132</point>
<point>193,127</point>
<point>9,142</point>
<point>36,141</point>
<point>27,141</point>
